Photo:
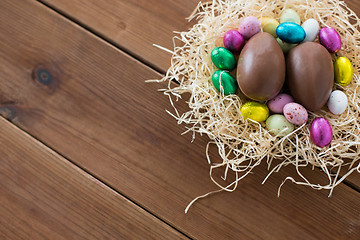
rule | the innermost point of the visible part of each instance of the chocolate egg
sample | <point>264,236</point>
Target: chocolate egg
<point>310,75</point>
<point>261,68</point>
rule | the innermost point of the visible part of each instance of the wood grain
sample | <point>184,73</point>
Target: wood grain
<point>88,101</point>
<point>133,25</point>
<point>122,22</point>
<point>136,25</point>
<point>43,196</point>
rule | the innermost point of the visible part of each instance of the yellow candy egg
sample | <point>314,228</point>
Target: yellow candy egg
<point>269,25</point>
<point>343,71</point>
<point>255,111</point>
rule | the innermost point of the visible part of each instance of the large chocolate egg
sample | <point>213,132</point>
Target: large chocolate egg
<point>310,75</point>
<point>261,68</point>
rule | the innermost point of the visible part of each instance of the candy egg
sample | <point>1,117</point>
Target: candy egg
<point>310,75</point>
<point>338,102</point>
<point>234,41</point>
<point>312,29</point>
<point>224,82</point>
<point>343,71</point>
<point>321,132</point>
<point>223,59</point>
<point>330,39</point>
<point>290,15</point>
<point>269,25</point>
<point>261,68</point>
<point>295,113</point>
<point>290,32</point>
<point>255,111</point>
<point>249,27</point>
<point>278,103</point>
<point>278,125</point>
<point>285,47</point>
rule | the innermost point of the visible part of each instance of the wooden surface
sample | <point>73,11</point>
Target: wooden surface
<point>44,196</point>
<point>86,99</point>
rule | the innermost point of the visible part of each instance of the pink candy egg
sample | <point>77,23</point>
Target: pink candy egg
<point>330,39</point>
<point>277,104</point>
<point>234,41</point>
<point>321,132</point>
<point>249,27</point>
<point>295,113</point>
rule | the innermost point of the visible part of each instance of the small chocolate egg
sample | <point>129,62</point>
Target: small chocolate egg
<point>269,25</point>
<point>234,41</point>
<point>285,47</point>
<point>255,111</point>
<point>261,68</point>
<point>343,71</point>
<point>290,15</point>
<point>321,132</point>
<point>223,59</point>
<point>310,75</point>
<point>290,32</point>
<point>277,104</point>
<point>278,125</point>
<point>338,102</point>
<point>224,82</point>
<point>311,28</point>
<point>295,113</point>
<point>249,26</point>
<point>330,39</point>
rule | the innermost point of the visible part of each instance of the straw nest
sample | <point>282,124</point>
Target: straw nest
<point>243,145</point>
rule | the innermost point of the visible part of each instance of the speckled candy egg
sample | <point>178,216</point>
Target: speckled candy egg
<point>278,125</point>
<point>290,15</point>
<point>295,113</point>
<point>312,29</point>
<point>249,27</point>
<point>278,103</point>
<point>343,71</point>
<point>290,32</point>
<point>330,39</point>
<point>224,82</point>
<point>338,102</point>
<point>234,41</point>
<point>223,59</point>
<point>321,132</point>
<point>255,111</point>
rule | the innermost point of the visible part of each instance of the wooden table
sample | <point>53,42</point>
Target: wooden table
<point>87,150</point>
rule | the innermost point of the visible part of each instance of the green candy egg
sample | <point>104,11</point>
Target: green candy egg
<point>286,47</point>
<point>223,59</point>
<point>290,15</point>
<point>277,124</point>
<point>224,82</point>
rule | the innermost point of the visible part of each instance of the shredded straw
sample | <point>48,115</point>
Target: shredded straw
<point>243,145</point>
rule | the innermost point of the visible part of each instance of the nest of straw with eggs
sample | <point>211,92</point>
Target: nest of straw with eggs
<point>244,144</point>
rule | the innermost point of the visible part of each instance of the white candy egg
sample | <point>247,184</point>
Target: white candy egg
<point>312,29</point>
<point>338,102</point>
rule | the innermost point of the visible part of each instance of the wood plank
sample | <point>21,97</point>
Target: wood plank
<point>122,22</point>
<point>97,111</point>
<point>133,25</point>
<point>44,196</point>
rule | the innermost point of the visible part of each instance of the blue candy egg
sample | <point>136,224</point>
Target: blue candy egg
<point>290,32</point>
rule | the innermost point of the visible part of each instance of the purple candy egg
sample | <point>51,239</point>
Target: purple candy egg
<point>277,104</point>
<point>249,27</point>
<point>321,132</point>
<point>330,39</point>
<point>233,41</point>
